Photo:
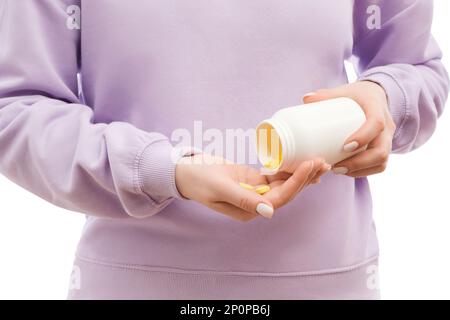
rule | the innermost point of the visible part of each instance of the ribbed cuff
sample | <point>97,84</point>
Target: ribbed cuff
<point>156,169</point>
<point>397,101</point>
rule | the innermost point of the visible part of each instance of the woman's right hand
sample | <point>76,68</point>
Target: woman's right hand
<point>214,182</point>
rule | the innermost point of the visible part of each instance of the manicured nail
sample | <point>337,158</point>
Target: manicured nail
<point>340,170</point>
<point>265,210</point>
<point>350,147</point>
<point>326,166</point>
<point>309,94</point>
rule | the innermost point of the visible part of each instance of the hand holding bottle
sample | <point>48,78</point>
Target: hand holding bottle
<point>376,133</point>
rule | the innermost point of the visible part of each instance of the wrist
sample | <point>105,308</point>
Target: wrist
<point>378,90</point>
<point>183,165</point>
<point>381,93</point>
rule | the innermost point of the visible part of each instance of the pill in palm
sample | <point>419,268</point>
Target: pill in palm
<point>245,186</point>
<point>260,189</point>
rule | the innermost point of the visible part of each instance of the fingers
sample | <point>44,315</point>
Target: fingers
<point>324,94</point>
<point>325,168</point>
<point>318,166</point>
<point>244,205</point>
<point>364,135</point>
<point>284,175</point>
<point>372,127</point>
<point>286,190</point>
<point>280,175</point>
<point>376,155</point>
<point>247,200</point>
<point>374,111</point>
<point>368,171</point>
<point>233,211</point>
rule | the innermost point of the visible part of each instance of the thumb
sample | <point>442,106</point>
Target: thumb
<point>324,94</point>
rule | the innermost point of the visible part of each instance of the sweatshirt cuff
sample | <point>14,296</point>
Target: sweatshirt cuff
<point>397,101</point>
<point>156,169</point>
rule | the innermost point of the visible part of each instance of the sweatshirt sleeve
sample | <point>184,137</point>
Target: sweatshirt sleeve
<point>393,47</point>
<point>49,141</point>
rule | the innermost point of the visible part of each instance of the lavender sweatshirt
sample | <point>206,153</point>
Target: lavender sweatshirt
<point>149,68</point>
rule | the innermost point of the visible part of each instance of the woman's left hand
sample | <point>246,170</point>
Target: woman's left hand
<point>376,133</point>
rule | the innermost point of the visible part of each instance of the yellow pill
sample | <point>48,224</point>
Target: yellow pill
<point>246,186</point>
<point>262,189</point>
<point>269,164</point>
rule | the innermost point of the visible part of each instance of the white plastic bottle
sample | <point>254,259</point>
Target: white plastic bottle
<point>299,133</point>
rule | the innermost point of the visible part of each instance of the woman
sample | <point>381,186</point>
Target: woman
<point>166,221</point>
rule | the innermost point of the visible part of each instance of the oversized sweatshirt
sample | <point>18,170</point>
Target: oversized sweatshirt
<point>93,95</point>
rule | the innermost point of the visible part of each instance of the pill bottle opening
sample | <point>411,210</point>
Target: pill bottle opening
<point>269,148</point>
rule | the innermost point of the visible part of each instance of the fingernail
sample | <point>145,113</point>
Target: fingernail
<point>326,166</point>
<point>309,94</point>
<point>340,170</point>
<point>350,147</point>
<point>265,210</point>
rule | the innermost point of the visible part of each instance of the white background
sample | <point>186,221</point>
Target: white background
<point>411,208</point>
